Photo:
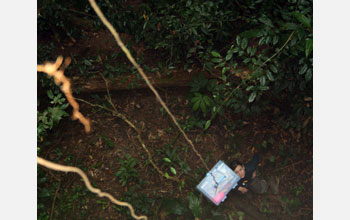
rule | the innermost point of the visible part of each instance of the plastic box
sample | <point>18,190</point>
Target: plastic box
<point>226,179</point>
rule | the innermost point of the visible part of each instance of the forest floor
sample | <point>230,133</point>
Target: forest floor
<point>285,154</point>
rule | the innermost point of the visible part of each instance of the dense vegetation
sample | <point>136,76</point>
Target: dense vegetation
<point>259,51</point>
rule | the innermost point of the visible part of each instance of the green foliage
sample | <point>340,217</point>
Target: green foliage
<point>44,194</point>
<point>172,159</point>
<point>185,28</point>
<point>66,198</point>
<point>238,214</point>
<point>195,205</point>
<point>174,206</point>
<point>62,19</point>
<point>74,197</point>
<point>204,95</point>
<point>52,115</point>
<point>140,201</point>
<point>126,170</point>
<point>108,143</point>
<point>290,204</point>
<point>267,45</point>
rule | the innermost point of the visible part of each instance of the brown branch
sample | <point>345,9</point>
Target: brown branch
<point>58,167</point>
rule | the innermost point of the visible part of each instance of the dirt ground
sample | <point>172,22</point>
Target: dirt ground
<point>285,154</point>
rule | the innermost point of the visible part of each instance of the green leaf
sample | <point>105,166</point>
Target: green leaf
<point>195,205</point>
<point>253,51</point>
<point>235,50</point>
<point>203,107</point>
<point>246,60</point>
<point>216,60</point>
<point>50,94</point>
<point>303,70</point>
<point>261,41</point>
<point>225,69</point>
<point>268,39</point>
<point>308,75</point>
<point>264,88</point>
<point>270,76</point>
<point>238,40</point>
<point>172,169</point>
<point>195,99</point>
<point>273,68</point>
<point>196,105</point>
<point>167,160</point>
<point>275,40</point>
<point>215,54</point>
<point>265,20</point>
<point>87,62</point>
<point>263,80</point>
<point>224,78</point>
<point>249,88</point>
<point>244,43</point>
<point>252,97</point>
<point>308,47</point>
<point>174,206</point>
<point>206,100</point>
<point>229,55</point>
<point>207,124</point>
<point>289,26</point>
<point>252,33</point>
<point>166,175</point>
<point>302,18</point>
<point>249,50</point>
<point>222,64</point>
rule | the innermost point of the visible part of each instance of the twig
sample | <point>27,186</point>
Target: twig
<point>126,120</point>
<point>278,169</point>
<point>58,167</point>
<point>54,200</point>
<point>285,44</point>
<point>222,104</point>
<point>139,69</point>
<point>109,99</point>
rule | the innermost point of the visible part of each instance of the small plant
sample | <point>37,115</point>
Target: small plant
<point>140,201</point>
<point>51,116</point>
<point>200,94</point>
<point>103,203</point>
<point>126,169</point>
<point>109,144</point>
<point>195,205</point>
<point>238,214</point>
<point>72,197</point>
<point>265,207</point>
<point>290,204</point>
<point>297,190</point>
